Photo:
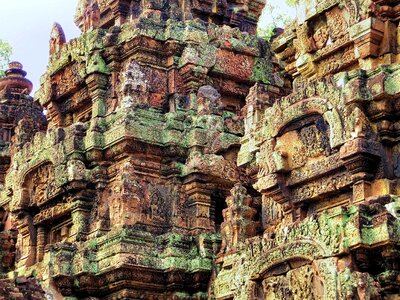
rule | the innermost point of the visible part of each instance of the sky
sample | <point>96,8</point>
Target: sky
<point>26,26</point>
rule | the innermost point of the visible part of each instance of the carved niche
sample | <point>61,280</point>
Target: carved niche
<point>309,140</point>
<point>41,185</point>
<point>298,284</point>
<point>239,221</point>
<point>122,201</point>
<point>296,278</point>
<point>134,86</point>
<point>296,148</point>
<point>39,215</point>
<point>65,82</point>
<point>298,160</point>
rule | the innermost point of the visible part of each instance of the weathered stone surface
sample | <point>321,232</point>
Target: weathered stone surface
<point>120,194</point>
<point>18,112</point>
<point>178,162</point>
<point>321,157</point>
<point>106,13</point>
<point>20,289</point>
<point>339,35</point>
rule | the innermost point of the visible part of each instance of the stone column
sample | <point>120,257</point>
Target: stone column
<point>120,9</point>
<point>361,158</point>
<point>80,220</point>
<point>97,84</point>
<point>41,242</point>
<point>199,205</point>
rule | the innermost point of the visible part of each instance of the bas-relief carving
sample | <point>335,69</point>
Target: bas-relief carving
<point>321,35</point>
<point>309,141</point>
<point>129,199</point>
<point>42,185</point>
<point>271,216</point>
<point>243,15</point>
<point>337,23</point>
<point>124,197</point>
<point>303,108</point>
<point>297,270</point>
<point>323,43</point>
<point>134,86</point>
<point>291,271</point>
<point>38,188</point>
<point>66,80</point>
<point>322,159</point>
<point>239,221</point>
<point>302,138</point>
<point>35,188</point>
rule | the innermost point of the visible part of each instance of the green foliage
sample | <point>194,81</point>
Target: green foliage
<point>291,2</point>
<point>5,54</point>
<point>279,19</point>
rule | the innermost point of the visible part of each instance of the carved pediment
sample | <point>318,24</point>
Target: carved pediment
<point>38,188</point>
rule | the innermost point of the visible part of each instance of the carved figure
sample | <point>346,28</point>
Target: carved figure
<point>57,38</point>
<point>238,219</point>
<point>43,185</point>
<point>208,101</point>
<point>134,86</point>
<point>151,122</point>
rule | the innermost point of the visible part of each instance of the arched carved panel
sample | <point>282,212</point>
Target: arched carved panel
<point>279,119</point>
<point>301,250</point>
<point>298,160</point>
<point>302,283</point>
<point>41,185</point>
<point>295,271</point>
<point>39,213</point>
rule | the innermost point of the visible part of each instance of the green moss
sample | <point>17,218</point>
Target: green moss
<point>392,84</point>
<point>96,64</point>
<point>92,244</point>
<point>262,71</point>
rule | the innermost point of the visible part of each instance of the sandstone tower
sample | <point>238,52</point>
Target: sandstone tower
<point>171,154</point>
<point>325,159</point>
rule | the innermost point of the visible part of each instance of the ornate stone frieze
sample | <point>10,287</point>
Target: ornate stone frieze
<point>161,174</point>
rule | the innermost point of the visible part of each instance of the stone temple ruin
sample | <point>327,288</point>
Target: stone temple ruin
<point>180,157</point>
